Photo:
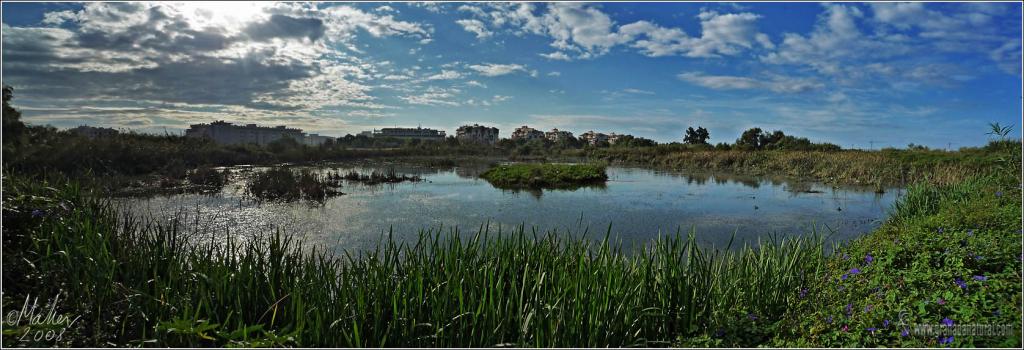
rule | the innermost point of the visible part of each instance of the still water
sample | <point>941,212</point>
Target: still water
<point>638,204</point>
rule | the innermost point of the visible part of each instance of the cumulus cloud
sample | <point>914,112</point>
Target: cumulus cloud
<point>263,56</point>
<point>847,42</point>
<point>583,31</point>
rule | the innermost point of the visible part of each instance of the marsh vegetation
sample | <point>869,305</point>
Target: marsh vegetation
<point>545,175</point>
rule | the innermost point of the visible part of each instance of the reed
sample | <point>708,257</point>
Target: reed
<point>286,184</point>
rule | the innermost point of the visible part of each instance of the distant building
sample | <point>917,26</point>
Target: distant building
<point>556,135</point>
<point>527,133</point>
<point>477,133</point>
<point>315,139</point>
<point>593,138</point>
<point>613,138</point>
<point>93,132</point>
<point>229,134</point>
<point>409,133</point>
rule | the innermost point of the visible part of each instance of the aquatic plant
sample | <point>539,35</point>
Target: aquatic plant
<point>375,177</point>
<point>545,175</point>
<point>286,184</point>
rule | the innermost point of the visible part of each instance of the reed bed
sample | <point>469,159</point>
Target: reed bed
<point>285,184</point>
<point>876,168</point>
<point>375,177</point>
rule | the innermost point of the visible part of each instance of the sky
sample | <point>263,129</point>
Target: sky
<point>855,74</point>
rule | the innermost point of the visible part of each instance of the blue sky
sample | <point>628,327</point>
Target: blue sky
<point>849,73</point>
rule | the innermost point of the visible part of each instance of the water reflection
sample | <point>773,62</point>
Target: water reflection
<point>639,204</point>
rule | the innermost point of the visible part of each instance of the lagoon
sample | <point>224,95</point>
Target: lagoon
<point>637,205</point>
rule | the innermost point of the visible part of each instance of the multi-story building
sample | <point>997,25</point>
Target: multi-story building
<point>556,135</point>
<point>410,133</point>
<point>593,138</point>
<point>477,133</point>
<point>226,133</point>
<point>315,139</point>
<point>527,133</point>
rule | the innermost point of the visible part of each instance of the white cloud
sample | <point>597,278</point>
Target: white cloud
<point>557,55</point>
<point>433,96</point>
<point>494,69</point>
<point>775,83</point>
<point>476,83</point>
<point>476,27</point>
<point>445,75</point>
<point>1008,57</point>
<point>638,91</point>
<point>583,31</point>
<point>554,74</point>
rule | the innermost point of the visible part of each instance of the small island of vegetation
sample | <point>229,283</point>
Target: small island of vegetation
<point>547,175</point>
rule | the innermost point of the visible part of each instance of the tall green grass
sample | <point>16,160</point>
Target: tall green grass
<point>139,283</point>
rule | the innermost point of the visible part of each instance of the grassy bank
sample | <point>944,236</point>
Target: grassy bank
<point>545,175</point>
<point>950,254</point>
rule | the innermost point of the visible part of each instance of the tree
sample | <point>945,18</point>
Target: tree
<point>750,139</point>
<point>769,141</point>
<point>699,136</point>
<point>13,127</point>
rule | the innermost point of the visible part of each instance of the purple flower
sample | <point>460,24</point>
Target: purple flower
<point>904,333</point>
<point>960,282</point>
<point>946,340</point>
<point>947,322</point>
<point>854,271</point>
<point>846,257</point>
<point>970,232</point>
<point>868,259</point>
<point>940,230</point>
<point>829,319</point>
<point>872,330</point>
<point>803,293</point>
<point>980,278</point>
<point>999,193</point>
<point>885,324</point>
<point>849,309</point>
<point>844,277</point>
<point>36,213</point>
<point>942,301</point>
<point>867,308</point>
<point>752,317</point>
